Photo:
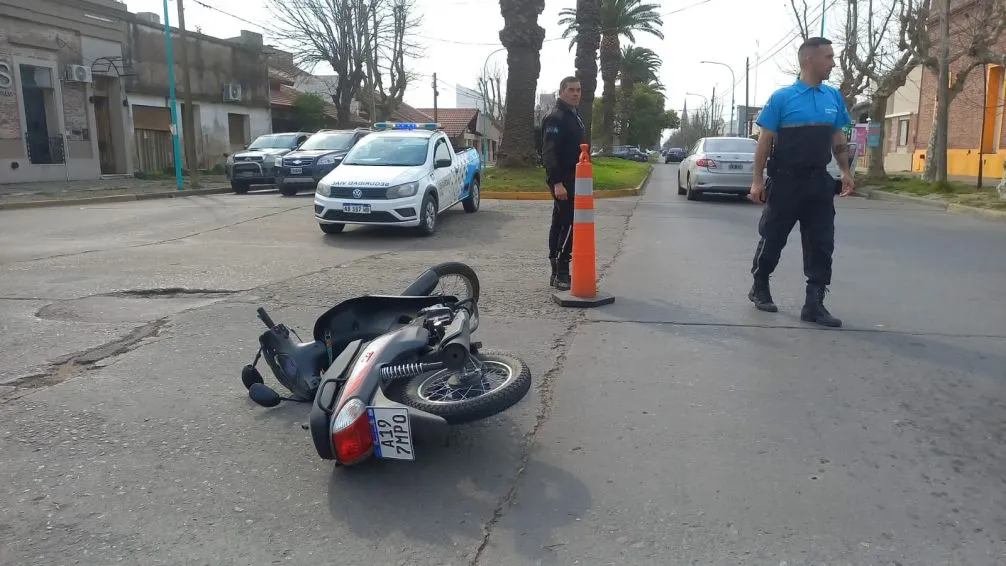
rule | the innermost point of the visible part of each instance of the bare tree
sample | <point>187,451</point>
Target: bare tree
<point>895,58</point>
<point>972,42</point>
<point>363,41</point>
<point>491,90</point>
<point>852,78</point>
<point>388,45</point>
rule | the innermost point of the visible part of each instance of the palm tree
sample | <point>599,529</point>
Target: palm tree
<point>618,18</point>
<point>639,66</point>
<point>583,26</point>
<point>522,37</point>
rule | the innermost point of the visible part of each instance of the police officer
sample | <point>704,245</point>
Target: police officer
<point>562,134</point>
<point>801,127</point>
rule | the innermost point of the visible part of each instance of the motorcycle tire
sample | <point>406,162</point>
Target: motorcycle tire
<point>461,270</point>
<point>518,383</point>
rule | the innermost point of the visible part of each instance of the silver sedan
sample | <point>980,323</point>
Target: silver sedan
<point>717,165</point>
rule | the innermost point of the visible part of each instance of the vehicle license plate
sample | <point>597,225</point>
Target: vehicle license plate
<point>357,208</point>
<point>736,166</point>
<point>296,170</point>
<point>389,427</point>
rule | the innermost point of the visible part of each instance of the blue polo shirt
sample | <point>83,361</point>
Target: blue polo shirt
<point>803,118</point>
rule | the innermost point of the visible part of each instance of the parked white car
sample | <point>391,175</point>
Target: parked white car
<point>726,165</point>
<point>403,174</point>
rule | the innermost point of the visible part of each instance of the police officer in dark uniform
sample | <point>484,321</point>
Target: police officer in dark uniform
<point>801,127</point>
<point>562,134</point>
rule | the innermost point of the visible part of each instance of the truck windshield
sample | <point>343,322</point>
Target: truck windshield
<point>337,141</point>
<point>389,151</point>
<point>274,140</point>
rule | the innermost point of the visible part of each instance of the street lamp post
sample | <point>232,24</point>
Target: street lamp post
<point>176,146</point>
<point>734,79</point>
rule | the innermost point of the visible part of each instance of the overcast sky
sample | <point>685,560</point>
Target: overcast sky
<point>459,35</point>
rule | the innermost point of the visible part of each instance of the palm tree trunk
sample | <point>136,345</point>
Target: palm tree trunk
<point>588,16</point>
<point>522,37</point>
<point>628,105</point>
<point>610,56</point>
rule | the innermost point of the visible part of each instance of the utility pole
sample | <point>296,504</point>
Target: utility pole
<point>171,98</point>
<point>435,94</point>
<point>712,112</point>
<point>188,121</point>
<point>824,7</point>
<point>747,97</point>
<point>943,106</point>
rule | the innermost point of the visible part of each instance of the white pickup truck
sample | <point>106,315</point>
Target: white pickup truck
<point>402,174</point>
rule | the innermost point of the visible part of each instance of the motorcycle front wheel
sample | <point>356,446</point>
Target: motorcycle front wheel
<point>498,381</point>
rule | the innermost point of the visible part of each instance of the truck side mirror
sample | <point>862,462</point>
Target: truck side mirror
<point>442,163</point>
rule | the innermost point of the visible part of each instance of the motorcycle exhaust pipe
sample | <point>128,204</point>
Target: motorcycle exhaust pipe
<point>455,347</point>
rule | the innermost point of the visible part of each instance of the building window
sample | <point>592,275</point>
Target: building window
<point>902,132</point>
<point>238,130</point>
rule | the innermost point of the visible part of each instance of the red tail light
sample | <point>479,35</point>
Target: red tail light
<point>351,433</point>
<point>706,162</point>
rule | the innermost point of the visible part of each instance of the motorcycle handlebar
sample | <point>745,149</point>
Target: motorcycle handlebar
<point>265,317</point>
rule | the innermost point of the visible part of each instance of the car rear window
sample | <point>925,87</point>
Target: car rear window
<point>730,146</point>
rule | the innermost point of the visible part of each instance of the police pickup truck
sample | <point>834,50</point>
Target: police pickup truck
<point>403,174</point>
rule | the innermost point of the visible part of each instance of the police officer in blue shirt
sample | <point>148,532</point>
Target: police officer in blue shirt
<point>801,127</point>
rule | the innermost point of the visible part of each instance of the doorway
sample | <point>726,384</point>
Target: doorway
<point>41,121</point>
<point>103,125</point>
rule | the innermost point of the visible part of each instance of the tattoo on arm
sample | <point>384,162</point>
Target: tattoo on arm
<point>840,148</point>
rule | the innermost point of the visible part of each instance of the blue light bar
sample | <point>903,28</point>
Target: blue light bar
<point>406,126</point>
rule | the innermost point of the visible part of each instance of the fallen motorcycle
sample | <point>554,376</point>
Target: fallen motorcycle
<point>383,371</point>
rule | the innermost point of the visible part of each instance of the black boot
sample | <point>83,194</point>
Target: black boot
<point>562,275</point>
<point>761,296</point>
<point>813,309</point>
<point>551,279</point>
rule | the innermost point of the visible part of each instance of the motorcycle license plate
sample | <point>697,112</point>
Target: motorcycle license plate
<point>357,208</point>
<point>389,427</point>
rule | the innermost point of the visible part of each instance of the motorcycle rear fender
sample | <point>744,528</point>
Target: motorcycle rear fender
<point>324,400</point>
<point>427,428</point>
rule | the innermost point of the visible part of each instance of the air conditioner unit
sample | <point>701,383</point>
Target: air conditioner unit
<point>232,92</point>
<point>78,74</point>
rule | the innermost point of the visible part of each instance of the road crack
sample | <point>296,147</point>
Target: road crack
<point>75,364</point>
<point>545,391</point>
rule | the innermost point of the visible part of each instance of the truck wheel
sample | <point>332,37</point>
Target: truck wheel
<point>240,187</point>
<point>428,216</point>
<point>471,204</point>
<point>332,228</point>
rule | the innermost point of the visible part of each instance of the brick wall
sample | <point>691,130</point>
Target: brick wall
<point>965,110</point>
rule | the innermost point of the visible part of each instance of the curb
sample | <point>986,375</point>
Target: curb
<point>544,195</point>
<point>112,198</point>
<point>876,194</point>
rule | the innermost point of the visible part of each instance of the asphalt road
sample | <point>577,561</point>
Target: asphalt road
<point>677,426</point>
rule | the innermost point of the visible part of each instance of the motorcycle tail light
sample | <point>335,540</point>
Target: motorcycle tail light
<point>351,432</point>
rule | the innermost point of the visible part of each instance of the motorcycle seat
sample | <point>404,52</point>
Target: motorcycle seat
<point>371,315</point>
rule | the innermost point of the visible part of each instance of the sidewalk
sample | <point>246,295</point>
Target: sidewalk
<point>25,195</point>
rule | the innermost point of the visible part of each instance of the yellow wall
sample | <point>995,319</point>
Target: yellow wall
<point>964,162</point>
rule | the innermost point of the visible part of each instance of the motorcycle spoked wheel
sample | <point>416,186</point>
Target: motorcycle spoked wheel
<point>503,381</point>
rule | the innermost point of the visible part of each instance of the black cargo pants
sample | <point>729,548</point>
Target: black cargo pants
<point>806,198</point>
<point>560,234</point>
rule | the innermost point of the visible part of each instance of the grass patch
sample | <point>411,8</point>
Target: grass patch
<point>951,191</point>
<point>610,173</point>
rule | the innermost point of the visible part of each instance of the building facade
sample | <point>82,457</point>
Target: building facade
<point>230,94</point>
<point>976,113</point>
<point>61,90</point>
<point>901,122</point>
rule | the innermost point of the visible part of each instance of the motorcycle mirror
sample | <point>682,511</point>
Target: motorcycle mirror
<point>263,395</point>
<point>250,376</point>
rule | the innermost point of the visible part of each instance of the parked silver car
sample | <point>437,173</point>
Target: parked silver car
<point>725,165</point>
<point>717,165</point>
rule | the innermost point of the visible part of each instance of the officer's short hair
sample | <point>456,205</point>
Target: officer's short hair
<point>566,82</point>
<point>811,43</point>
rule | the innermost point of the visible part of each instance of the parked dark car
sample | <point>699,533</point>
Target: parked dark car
<point>674,155</point>
<point>257,164</point>
<point>318,156</point>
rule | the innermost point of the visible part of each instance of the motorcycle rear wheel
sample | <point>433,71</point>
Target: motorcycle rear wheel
<point>430,392</point>
<point>457,269</point>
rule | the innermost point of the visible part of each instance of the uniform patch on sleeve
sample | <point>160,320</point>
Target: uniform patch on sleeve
<point>552,130</point>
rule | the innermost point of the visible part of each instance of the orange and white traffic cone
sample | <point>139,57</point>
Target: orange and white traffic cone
<point>583,280</point>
